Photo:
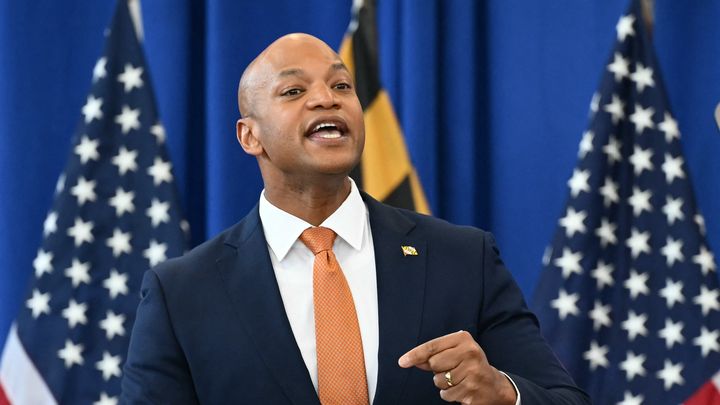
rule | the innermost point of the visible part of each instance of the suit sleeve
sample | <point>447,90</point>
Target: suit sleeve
<point>510,336</point>
<point>156,370</point>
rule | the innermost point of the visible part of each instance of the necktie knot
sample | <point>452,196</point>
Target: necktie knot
<point>318,239</point>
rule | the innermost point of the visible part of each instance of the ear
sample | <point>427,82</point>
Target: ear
<point>247,137</point>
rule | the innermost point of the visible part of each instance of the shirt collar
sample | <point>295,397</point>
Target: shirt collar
<point>283,229</point>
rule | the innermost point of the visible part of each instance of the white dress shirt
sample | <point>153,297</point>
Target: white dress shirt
<point>293,265</point>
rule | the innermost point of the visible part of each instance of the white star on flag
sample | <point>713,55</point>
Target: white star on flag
<point>131,77</point>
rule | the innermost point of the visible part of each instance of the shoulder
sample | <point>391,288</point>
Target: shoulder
<point>199,261</point>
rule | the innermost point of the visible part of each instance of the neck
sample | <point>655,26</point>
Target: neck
<point>312,202</point>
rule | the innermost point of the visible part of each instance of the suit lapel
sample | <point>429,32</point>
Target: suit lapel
<point>401,290</point>
<point>248,276</point>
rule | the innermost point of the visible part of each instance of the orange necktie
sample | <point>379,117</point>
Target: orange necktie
<point>340,360</point>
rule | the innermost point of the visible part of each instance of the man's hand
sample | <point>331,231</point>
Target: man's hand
<point>461,370</point>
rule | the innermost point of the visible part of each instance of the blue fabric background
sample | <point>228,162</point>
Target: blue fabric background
<point>492,95</point>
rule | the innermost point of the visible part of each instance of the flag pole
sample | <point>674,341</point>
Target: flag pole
<point>648,13</point>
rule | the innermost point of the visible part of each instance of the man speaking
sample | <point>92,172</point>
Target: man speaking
<point>322,295</point>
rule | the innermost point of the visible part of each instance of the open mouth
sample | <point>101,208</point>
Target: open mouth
<point>327,129</point>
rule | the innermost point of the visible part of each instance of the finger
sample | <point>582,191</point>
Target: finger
<point>453,394</point>
<point>420,354</point>
<point>457,375</point>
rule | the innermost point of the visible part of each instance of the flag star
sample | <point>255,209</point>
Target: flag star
<point>594,103</point>
<point>81,232</point>
<point>673,209</point>
<point>71,354</point>
<point>624,27</point>
<point>573,222</point>
<point>707,341</point>
<point>109,366</point>
<point>603,274</point>
<point>609,191</point>
<point>638,242</point>
<point>155,253</point>
<point>569,262</point>
<point>673,168</point>
<point>185,226</point>
<point>606,232</point>
<point>78,272</point>
<point>642,118</point>
<point>119,242</point>
<point>84,190</point>
<point>672,292</point>
<point>75,313</point>
<point>159,131</point>
<point>707,299</point>
<point>130,77</point>
<point>672,251</point>
<point>635,325</point>
<point>60,185</point>
<point>566,304</point>
<point>670,127</point>
<point>612,150</point>
<point>630,399</point>
<point>113,325</point>
<point>586,144</point>
<point>106,400</point>
<point>671,374</point>
<point>600,314</point>
<point>672,333</point>
<point>99,71</point>
<point>128,119</point>
<point>616,109</point>
<point>700,221</point>
<point>122,201</point>
<point>705,259</point>
<point>38,303</point>
<point>637,284</point>
<point>50,223</point>
<point>633,365</point>
<point>579,182</point>
<point>640,201</point>
<point>641,159</point>
<point>43,263</point>
<point>643,76</point>
<point>116,283</point>
<point>160,171</point>
<point>158,212</point>
<point>125,160</point>
<point>92,110</point>
<point>87,149</point>
<point>620,67</point>
<point>596,355</point>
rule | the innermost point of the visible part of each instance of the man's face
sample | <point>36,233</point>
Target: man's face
<point>305,113</point>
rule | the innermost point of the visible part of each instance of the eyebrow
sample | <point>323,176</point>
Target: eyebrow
<point>337,66</point>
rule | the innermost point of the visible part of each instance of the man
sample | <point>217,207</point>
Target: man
<point>421,312</point>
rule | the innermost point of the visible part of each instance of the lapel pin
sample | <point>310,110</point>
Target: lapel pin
<point>409,251</point>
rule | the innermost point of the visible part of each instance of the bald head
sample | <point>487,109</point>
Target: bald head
<point>261,70</point>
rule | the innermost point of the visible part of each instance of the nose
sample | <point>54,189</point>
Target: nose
<point>322,96</point>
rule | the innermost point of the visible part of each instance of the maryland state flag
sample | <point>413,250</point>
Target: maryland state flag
<point>385,171</point>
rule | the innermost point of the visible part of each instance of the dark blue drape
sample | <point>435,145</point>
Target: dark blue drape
<point>492,95</point>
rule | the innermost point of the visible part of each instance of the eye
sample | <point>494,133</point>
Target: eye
<point>294,91</point>
<point>343,86</point>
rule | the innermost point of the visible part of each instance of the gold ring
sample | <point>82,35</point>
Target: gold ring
<point>448,379</point>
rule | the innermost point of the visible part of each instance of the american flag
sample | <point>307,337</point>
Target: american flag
<point>115,215</point>
<point>629,294</point>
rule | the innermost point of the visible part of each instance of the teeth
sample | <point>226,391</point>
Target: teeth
<point>330,135</point>
<point>324,125</point>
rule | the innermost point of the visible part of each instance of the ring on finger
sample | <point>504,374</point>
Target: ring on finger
<point>448,379</point>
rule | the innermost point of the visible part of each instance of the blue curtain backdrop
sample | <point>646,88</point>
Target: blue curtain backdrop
<point>492,95</point>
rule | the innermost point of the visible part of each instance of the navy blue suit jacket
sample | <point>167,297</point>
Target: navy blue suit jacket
<point>211,327</point>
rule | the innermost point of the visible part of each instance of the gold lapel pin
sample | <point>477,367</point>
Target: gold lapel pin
<point>409,251</point>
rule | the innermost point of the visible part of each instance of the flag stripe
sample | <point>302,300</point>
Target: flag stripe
<point>385,170</point>
<point>19,378</point>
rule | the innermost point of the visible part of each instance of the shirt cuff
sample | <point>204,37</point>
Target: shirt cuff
<point>517,392</point>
